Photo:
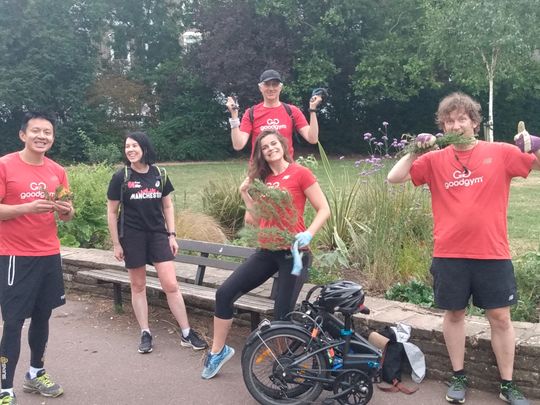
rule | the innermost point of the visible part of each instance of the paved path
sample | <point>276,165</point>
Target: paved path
<point>92,353</point>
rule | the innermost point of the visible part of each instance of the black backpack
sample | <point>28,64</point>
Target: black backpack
<point>394,358</point>
<point>289,112</point>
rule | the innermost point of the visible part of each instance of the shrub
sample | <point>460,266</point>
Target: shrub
<point>341,192</point>
<point>106,153</point>
<point>88,228</point>
<point>414,291</point>
<point>383,231</point>
<point>528,281</point>
<point>223,202</point>
<point>198,226</point>
<point>309,161</point>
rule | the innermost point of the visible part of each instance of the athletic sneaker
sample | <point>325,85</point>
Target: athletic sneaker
<point>6,399</point>
<point>511,394</point>
<point>214,362</point>
<point>146,343</point>
<point>193,340</point>
<point>42,384</point>
<point>456,391</point>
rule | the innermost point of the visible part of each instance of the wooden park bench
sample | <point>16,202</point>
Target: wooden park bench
<point>203,255</point>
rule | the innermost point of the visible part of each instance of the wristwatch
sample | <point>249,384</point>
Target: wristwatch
<point>171,234</point>
<point>313,110</point>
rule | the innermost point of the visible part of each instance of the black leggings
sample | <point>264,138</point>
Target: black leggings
<point>10,347</point>
<point>258,268</point>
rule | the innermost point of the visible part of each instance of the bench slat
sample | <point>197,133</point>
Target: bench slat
<point>206,261</point>
<point>189,291</point>
<point>215,248</point>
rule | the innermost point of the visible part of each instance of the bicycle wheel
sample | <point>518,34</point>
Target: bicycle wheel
<point>269,373</point>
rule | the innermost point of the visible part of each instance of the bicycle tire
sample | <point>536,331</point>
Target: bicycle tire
<point>263,363</point>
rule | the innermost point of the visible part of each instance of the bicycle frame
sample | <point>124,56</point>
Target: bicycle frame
<point>347,362</point>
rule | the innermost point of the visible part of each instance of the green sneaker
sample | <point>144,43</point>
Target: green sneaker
<point>42,384</point>
<point>6,399</point>
<point>456,391</point>
<point>511,394</point>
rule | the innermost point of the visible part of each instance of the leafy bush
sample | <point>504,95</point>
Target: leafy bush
<point>528,282</point>
<point>342,193</point>
<point>309,161</point>
<point>222,201</point>
<point>382,230</point>
<point>88,228</point>
<point>415,292</point>
<point>104,153</point>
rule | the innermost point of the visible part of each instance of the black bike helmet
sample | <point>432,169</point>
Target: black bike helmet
<point>342,296</point>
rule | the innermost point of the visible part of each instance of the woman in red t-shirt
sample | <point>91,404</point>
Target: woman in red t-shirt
<point>272,164</point>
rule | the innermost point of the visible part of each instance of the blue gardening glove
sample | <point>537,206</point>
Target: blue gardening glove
<point>297,259</point>
<point>303,238</point>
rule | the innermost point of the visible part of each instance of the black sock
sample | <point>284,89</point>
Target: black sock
<point>459,373</point>
<point>506,382</point>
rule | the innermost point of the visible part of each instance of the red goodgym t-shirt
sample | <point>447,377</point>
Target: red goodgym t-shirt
<point>470,206</point>
<point>20,182</point>
<point>294,180</point>
<point>275,118</point>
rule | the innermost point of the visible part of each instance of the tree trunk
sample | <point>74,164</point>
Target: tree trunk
<point>489,130</point>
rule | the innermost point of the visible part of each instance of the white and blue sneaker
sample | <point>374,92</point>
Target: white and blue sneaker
<point>214,362</point>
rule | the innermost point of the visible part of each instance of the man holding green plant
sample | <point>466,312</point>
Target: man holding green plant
<point>31,279</point>
<point>469,184</point>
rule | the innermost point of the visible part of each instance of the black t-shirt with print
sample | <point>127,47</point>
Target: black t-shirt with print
<point>143,209</point>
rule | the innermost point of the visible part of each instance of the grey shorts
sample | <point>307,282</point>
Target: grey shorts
<point>491,283</point>
<point>27,282</point>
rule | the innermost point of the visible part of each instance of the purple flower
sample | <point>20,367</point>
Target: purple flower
<point>384,138</point>
<point>385,124</point>
<point>367,136</point>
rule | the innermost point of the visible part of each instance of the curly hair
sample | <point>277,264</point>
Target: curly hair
<point>459,102</point>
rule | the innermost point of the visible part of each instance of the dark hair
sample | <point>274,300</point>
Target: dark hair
<point>459,102</point>
<point>259,168</point>
<point>30,115</point>
<point>149,154</point>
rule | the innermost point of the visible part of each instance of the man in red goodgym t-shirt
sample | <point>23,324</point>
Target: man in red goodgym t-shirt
<point>469,187</point>
<point>31,281</point>
<point>272,114</point>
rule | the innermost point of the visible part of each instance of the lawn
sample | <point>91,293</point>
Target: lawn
<point>523,214</point>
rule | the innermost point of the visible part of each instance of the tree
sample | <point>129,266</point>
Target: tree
<point>475,41</point>
<point>393,65</point>
<point>47,60</point>
<point>237,45</point>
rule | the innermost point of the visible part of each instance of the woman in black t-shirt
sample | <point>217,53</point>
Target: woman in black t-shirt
<point>140,215</point>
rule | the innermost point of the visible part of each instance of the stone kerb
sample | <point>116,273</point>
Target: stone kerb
<point>427,325</point>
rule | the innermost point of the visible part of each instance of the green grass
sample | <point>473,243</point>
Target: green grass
<point>523,213</point>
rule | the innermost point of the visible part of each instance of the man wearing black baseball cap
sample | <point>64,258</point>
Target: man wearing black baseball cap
<point>271,113</point>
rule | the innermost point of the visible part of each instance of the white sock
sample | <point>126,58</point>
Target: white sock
<point>32,371</point>
<point>146,330</point>
<point>8,390</point>
<point>185,332</point>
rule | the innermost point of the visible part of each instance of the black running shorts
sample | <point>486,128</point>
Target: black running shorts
<point>141,248</point>
<point>491,283</point>
<point>30,281</point>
